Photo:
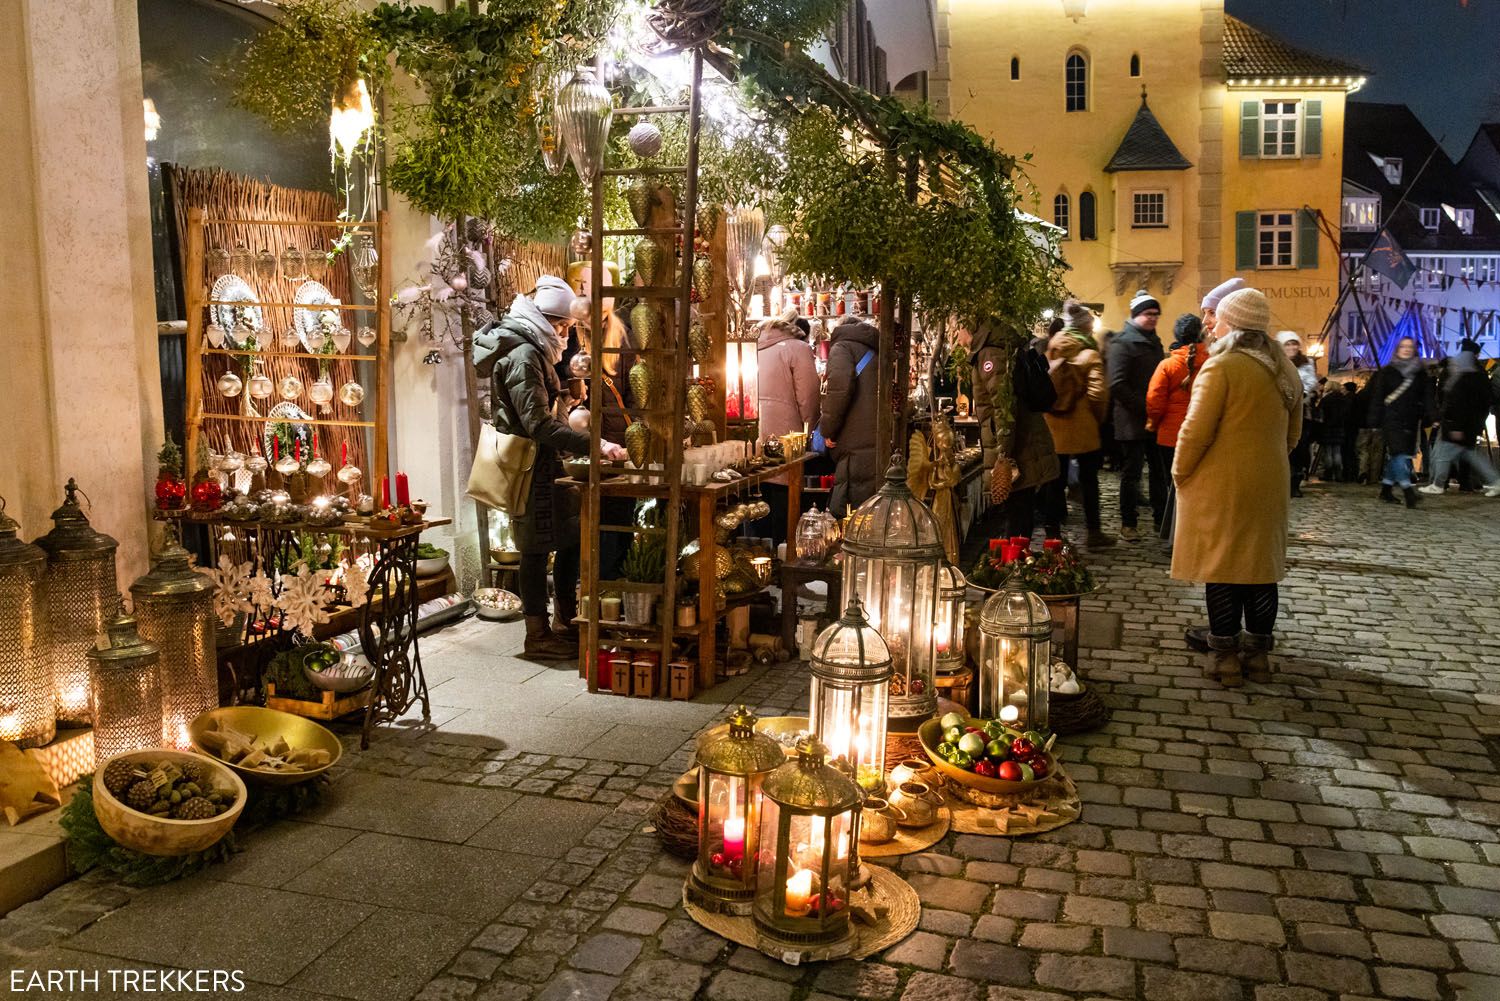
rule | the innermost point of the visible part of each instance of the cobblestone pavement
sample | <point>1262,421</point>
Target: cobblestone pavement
<point>1331,835</point>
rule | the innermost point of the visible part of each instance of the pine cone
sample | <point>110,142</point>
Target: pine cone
<point>699,344</point>
<point>118,777</point>
<point>197,808</point>
<point>699,402</point>
<point>193,772</point>
<point>645,323</point>
<point>141,795</point>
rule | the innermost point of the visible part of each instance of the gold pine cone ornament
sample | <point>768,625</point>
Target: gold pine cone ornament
<point>700,403</point>
<point>638,443</point>
<point>647,260</point>
<point>699,344</point>
<point>645,323</point>
<point>642,385</point>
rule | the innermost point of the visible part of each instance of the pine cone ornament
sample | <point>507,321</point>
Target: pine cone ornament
<point>647,260</point>
<point>699,344</point>
<point>1002,478</point>
<point>637,443</point>
<point>645,322</point>
<point>118,777</point>
<point>703,277</point>
<point>642,385</point>
<point>708,221</point>
<point>703,432</point>
<point>141,795</point>
<point>197,808</point>
<point>638,197</point>
<point>700,402</point>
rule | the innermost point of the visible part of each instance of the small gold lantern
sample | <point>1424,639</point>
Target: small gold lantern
<point>124,691</point>
<point>850,699</point>
<point>732,765</point>
<point>175,607</point>
<point>809,825</point>
<point>81,596</point>
<point>1015,658</point>
<point>27,710</point>
<point>953,589</point>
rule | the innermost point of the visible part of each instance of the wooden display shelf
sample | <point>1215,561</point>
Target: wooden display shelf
<point>331,707</point>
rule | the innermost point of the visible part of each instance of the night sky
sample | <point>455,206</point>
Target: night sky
<point>1438,56</point>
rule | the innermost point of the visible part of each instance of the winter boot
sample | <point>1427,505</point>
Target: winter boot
<point>1097,539</point>
<point>566,607</point>
<point>1387,494</point>
<point>1222,664</point>
<point>542,645</point>
<point>1256,661</point>
<point>1197,638</point>
<point>1412,497</point>
<point>1296,484</point>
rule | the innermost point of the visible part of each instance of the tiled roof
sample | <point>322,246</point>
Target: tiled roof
<point>1251,53</point>
<point>1147,146</point>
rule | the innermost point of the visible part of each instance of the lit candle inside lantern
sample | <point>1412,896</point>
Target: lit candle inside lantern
<point>10,725</point>
<point>73,698</point>
<point>184,742</point>
<point>1009,714</point>
<point>734,837</point>
<point>799,893</point>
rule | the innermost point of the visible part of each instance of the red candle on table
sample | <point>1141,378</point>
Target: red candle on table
<point>276,449</point>
<point>996,544</point>
<point>1051,545</point>
<point>1009,552</point>
<point>1020,540</point>
<point>734,837</point>
<point>403,490</point>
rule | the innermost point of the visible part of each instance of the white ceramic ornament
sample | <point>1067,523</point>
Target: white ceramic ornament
<point>644,140</point>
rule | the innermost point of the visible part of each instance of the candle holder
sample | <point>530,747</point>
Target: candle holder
<point>953,590</point>
<point>732,765</point>
<point>1015,657</point>
<point>175,608</point>
<point>124,691</point>
<point>28,715</point>
<point>851,683</point>
<point>809,824</point>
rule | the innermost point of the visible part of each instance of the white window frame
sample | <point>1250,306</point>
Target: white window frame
<point>1276,228</point>
<point>1062,213</point>
<point>1430,273</point>
<point>1462,218</point>
<point>1140,198</point>
<point>1431,218</point>
<point>1480,269</point>
<point>1392,167</point>
<point>1069,84</point>
<point>1284,121</point>
<point>1361,213</point>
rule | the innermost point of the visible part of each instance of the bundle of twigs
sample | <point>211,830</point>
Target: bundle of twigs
<point>686,23</point>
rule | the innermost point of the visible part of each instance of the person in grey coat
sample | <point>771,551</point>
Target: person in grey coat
<point>849,414</point>
<point>1133,355</point>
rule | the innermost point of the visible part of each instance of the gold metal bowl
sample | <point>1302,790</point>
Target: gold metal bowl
<point>931,735</point>
<point>162,835</point>
<point>266,725</point>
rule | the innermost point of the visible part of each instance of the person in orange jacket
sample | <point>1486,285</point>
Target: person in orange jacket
<point>1172,384</point>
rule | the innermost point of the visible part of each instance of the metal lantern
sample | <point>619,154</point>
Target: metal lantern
<point>81,596</point>
<point>1015,655</point>
<point>124,691</point>
<point>732,765</point>
<point>809,828</point>
<point>851,687</point>
<point>175,606</point>
<point>953,589</point>
<point>744,232</point>
<point>583,114</point>
<point>28,715</point>
<point>893,550</point>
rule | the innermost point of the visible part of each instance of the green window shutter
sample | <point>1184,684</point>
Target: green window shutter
<point>1244,241</point>
<point>1312,128</point>
<point>1249,128</point>
<point>1307,239</point>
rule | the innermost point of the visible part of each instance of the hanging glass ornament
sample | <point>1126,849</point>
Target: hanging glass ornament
<point>217,261</point>
<point>257,464</point>
<point>584,111</point>
<point>364,263</point>
<point>366,336</point>
<point>349,474</point>
<point>230,385</point>
<point>232,461</point>
<point>293,265</point>
<point>318,466</point>
<point>261,386</point>
<point>315,338</point>
<point>351,394</point>
<point>746,229</point>
<point>265,265</point>
<point>644,140</point>
<point>286,465</point>
<point>215,335</point>
<point>554,157</point>
<point>321,393</point>
<point>289,338</point>
<point>290,387</point>
<point>341,339</point>
<point>241,260</point>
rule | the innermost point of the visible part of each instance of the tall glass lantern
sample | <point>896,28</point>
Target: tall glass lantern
<point>1015,657</point>
<point>809,823</point>
<point>174,604</point>
<point>81,596</point>
<point>124,691</point>
<point>851,688</point>
<point>732,765</point>
<point>28,715</point>
<point>893,551</point>
<point>953,589</point>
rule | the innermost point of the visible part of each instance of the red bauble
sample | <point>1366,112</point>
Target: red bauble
<point>207,496</point>
<point>1022,748</point>
<point>170,492</point>
<point>1009,771</point>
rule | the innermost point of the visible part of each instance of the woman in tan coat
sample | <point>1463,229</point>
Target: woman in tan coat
<point>1233,482</point>
<point>1077,370</point>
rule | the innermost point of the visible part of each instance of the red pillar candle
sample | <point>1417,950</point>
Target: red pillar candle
<point>403,490</point>
<point>996,544</point>
<point>1010,552</point>
<point>1052,545</point>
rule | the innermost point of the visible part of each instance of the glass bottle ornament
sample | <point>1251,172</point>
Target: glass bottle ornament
<point>230,385</point>
<point>232,461</point>
<point>364,263</point>
<point>293,265</point>
<point>321,393</point>
<point>217,261</point>
<point>260,385</point>
<point>241,260</point>
<point>265,266</point>
<point>215,335</point>
<point>341,339</point>
<point>351,394</point>
<point>315,338</point>
<point>366,336</point>
<point>289,339</point>
<point>289,388</point>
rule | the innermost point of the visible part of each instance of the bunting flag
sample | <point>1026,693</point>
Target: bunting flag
<point>1388,259</point>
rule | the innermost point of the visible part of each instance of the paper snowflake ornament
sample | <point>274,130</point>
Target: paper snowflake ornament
<point>261,591</point>
<point>301,600</point>
<point>231,588</point>
<point>356,585</point>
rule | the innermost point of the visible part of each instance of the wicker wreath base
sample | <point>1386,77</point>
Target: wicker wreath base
<point>1077,713</point>
<point>677,827</point>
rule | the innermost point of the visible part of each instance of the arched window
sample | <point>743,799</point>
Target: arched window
<point>1086,230</point>
<point>1077,83</point>
<point>1135,65</point>
<point>1015,67</point>
<point>1061,215</point>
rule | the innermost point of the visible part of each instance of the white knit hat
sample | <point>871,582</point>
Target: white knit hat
<point>553,297</point>
<point>1218,292</point>
<point>1246,309</point>
<point>1143,301</point>
<point>1288,337</point>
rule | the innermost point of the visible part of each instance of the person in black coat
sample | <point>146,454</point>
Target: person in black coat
<point>850,413</point>
<point>1133,355</point>
<point>1401,403</point>
<point>1465,407</point>
<point>1333,419</point>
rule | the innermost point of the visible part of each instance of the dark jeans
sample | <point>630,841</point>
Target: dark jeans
<point>1137,454</point>
<point>1231,605</point>
<point>1088,484</point>
<point>612,545</point>
<point>1020,512</point>
<point>533,582</point>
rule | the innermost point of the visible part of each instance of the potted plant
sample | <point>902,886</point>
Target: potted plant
<point>645,562</point>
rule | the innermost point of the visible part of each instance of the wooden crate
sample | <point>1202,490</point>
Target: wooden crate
<point>681,682</point>
<point>643,678</point>
<point>332,707</point>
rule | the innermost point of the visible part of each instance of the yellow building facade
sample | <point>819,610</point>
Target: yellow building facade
<point>1176,145</point>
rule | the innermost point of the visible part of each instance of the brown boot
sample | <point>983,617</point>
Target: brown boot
<point>1257,660</point>
<point>1222,663</point>
<point>542,645</point>
<point>562,622</point>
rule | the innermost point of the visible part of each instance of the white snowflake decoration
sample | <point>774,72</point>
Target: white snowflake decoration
<point>301,600</point>
<point>261,591</point>
<point>231,588</point>
<point>356,585</point>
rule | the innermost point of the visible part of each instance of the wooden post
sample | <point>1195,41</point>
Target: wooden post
<point>383,350</point>
<point>193,296</point>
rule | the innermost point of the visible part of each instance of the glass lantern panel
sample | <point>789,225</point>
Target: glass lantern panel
<point>126,706</point>
<point>725,820</point>
<point>1014,671</point>
<point>849,719</point>
<point>900,600</point>
<point>771,862</point>
<point>815,888</point>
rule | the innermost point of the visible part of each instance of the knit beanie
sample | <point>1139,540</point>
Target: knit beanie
<point>1469,344</point>
<point>1218,292</point>
<point>1246,309</point>
<point>1187,330</point>
<point>1287,337</point>
<point>553,297</point>
<point>1077,315</point>
<point>1143,301</point>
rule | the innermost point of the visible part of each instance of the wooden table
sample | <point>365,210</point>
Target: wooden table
<point>793,574</point>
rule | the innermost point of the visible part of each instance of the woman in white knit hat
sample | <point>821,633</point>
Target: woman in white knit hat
<point>1233,483</point>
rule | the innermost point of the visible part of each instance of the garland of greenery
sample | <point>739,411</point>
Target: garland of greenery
<point>88,847</point>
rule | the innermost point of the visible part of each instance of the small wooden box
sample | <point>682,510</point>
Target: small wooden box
<point>332,707</point>
<point>682,674</point>
<point>619,681</point>
<point>643,675</point>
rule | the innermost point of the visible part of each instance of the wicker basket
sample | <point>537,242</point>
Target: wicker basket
<point>677,827</point>
<point>1077,713</point>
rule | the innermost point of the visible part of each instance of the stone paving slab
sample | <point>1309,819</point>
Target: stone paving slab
<point>391,954</point>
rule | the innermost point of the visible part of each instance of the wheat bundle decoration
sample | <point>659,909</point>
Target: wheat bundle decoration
<point>686,23</point>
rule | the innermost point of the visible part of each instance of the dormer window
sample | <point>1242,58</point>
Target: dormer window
<point>1390,166</point>
<point>1462,218</point>
<point>1430,219</point>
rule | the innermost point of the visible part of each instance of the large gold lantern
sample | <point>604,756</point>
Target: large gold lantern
<point>893,550</point>
<point>81,595</point>
<point>27,708</point>
<point>953,589</point>
<point>175,607</point>
<point>809,823</point>
<point>732,765</point>
<point>124,691</point>
<point>1015,658</point>
<point>851,687</point>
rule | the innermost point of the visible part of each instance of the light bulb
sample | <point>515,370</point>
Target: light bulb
<point>351,118</point>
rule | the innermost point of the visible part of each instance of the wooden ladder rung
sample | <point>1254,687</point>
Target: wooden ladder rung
<point>643,231</point>
<point>644,291</point>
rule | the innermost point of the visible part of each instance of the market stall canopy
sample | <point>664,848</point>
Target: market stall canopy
<point>907,30</point>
